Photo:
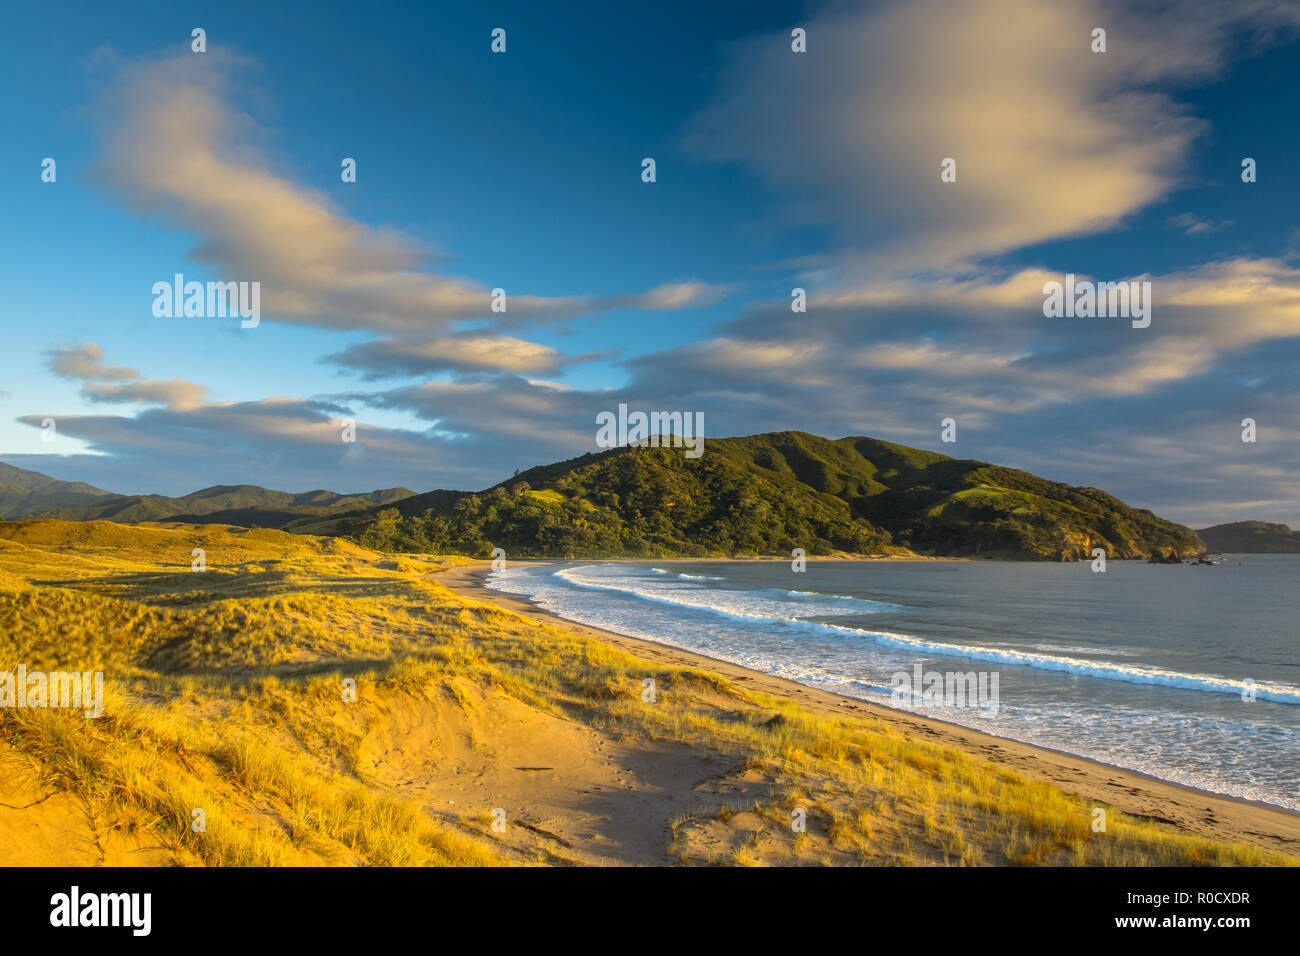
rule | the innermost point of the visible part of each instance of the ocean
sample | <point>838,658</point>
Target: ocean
<point>1187,673</point>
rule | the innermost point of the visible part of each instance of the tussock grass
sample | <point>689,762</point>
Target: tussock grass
<point>225,696</point>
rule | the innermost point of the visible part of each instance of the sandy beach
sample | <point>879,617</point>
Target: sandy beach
<point>1191,810</point>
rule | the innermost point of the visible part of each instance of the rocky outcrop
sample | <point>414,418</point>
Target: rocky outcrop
<point>1171,557</point>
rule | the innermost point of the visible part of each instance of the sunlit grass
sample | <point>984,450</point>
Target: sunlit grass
<point>225,697</point>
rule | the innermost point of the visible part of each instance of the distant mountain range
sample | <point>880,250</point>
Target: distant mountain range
<point>29,494</point>
<point>24,493</point>
<point>1251,537</point>
<point>766,495</point>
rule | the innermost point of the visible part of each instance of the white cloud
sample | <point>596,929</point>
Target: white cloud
<point>467,353</point>
<point>1050,139</point>
<point>86,362</point>
<point>174,393</point>
<point>177,146</point>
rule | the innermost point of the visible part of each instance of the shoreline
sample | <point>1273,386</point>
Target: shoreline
<point>1205,812</point>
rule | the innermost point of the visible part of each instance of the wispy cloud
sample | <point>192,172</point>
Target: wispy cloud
<point>85,362</point>
<point>112,384</point>
<point>1191,224</point>
<point>175,393</point>
<point>176,146</point>
<point>464,354</point>
<point>1050,139</point>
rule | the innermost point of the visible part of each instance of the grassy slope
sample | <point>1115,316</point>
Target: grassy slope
<point>768,494</point>
<point>225,695</point>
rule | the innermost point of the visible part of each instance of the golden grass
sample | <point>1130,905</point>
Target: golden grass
<point>226,698</point>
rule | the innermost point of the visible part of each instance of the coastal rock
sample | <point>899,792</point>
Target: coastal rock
<point>1170,558</point>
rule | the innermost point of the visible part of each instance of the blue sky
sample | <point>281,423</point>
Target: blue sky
<point>775,169</point>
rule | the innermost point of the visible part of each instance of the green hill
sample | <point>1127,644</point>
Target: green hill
<point>25,493</point>
<point>1251,537</point>
<point>229,504</point>
<point>766,495</point>
<point>29,494</point>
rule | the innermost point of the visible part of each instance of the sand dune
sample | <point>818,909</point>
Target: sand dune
<point>324,704</point>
